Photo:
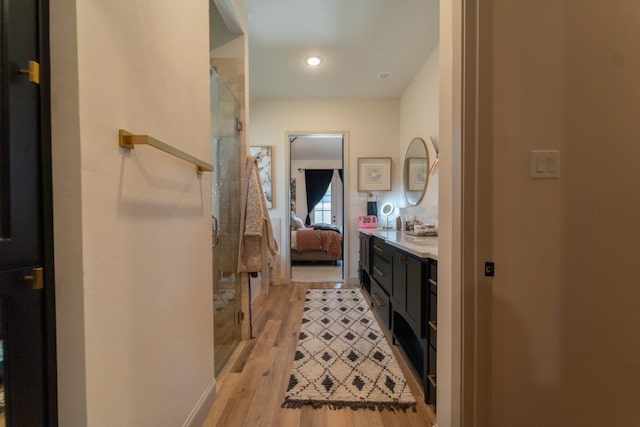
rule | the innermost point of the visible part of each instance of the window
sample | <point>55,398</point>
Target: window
<point>322,211</point>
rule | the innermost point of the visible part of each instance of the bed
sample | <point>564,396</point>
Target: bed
<point>318,242</point>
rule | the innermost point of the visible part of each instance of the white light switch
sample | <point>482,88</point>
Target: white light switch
<point>544,164</point>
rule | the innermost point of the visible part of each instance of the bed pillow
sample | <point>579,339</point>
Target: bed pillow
<point>331,227</point>
<point>297,223</point>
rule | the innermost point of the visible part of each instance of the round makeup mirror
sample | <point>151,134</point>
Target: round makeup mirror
<point>416,171</point>
<point>386,210</point>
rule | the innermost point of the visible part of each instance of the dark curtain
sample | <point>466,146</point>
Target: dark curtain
<point>340,173</point>
<point>317,181</point>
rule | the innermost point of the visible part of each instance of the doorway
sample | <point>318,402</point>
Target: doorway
<point>316,201</point>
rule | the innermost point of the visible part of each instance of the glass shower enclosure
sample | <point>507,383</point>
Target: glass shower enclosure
<point>225,220</point>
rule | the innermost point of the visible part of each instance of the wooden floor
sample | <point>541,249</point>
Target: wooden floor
<point>251,387</point>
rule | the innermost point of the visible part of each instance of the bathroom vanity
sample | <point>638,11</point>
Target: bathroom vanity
<point>400,274</point>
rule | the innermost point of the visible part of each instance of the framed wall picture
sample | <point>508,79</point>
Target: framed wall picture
<point>417,173</point>
<point>374,173</point>
<point>263,157</point>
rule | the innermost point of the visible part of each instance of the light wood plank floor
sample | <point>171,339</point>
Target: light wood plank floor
<point>313,272</point>
<point>251,387</point>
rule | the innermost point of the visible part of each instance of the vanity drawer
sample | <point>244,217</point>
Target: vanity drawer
<point>433,307</point>
<point>380,303</point>
<point>381,249</point>
<point>433,333</point>
<point>382,271</point>
<point>429,379</point>
<point>433,270</point>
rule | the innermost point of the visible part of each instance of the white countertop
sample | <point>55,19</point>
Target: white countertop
<point>423,247</point>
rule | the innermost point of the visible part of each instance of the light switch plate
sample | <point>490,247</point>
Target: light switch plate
<point>544,164</point>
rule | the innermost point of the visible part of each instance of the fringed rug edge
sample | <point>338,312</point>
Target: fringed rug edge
<point>332,404</point>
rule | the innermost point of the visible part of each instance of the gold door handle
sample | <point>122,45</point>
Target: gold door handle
<point>33,72</point>
<point>36,278</point>
<point>380,273</point>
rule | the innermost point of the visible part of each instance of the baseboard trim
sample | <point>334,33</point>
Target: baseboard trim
<point>199,414</point>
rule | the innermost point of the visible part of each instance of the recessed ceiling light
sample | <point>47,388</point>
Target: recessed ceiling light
<point>313,61</point>
<point>384,75</point>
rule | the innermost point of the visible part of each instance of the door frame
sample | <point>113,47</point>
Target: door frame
<point>345,206</point>
<point>476,206</point>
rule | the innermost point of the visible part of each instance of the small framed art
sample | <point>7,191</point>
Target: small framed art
<point>374,173</point>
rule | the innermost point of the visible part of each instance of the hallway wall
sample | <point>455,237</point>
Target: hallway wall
<point>419,116</point>
<point>132,228</point>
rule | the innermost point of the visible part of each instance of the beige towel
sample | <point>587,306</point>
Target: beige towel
<point>257,244</point>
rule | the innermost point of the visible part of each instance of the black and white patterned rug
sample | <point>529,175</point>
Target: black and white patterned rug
<point>342,358</point>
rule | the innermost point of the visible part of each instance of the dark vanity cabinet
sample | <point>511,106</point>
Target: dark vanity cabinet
<point>408,275</point>
<point>364,266</point>
<point>403,292</point>
<point>381,273</point>
<point>431,300</point>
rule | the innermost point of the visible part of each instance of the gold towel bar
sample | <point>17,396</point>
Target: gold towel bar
<point>129,140</point>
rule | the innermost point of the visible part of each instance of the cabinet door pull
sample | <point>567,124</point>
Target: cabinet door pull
<point>377,299</point>
<point>378,248</point>
<point>432,380</point>
<point>380,273</point>
<point>433,325</point>
<point>433,282</point>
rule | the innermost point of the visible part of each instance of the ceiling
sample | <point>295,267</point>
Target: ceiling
<point>357,39</point>
<point>317,147</point>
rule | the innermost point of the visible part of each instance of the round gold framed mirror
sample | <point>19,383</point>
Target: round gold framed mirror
<point>416,171</point>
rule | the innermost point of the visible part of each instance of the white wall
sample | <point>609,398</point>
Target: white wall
<point>419,115</point>
<point>372,125</point>
<point>132,229</point>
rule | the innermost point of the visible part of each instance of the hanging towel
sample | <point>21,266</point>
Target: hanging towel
<point>257,244</point>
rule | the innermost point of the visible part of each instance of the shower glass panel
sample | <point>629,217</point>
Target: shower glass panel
<point>225,218</point>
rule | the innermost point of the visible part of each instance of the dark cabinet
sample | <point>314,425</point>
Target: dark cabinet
<point>403,291</point>
<point>431,301</point>
<point>414,308</point>
<point>365,253</point>
<point>381,267</point>
<point>364,265</point>
<point>380,303</point>
<point>408,273</point>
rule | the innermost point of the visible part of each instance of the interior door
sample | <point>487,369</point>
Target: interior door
<point>23,397</point>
